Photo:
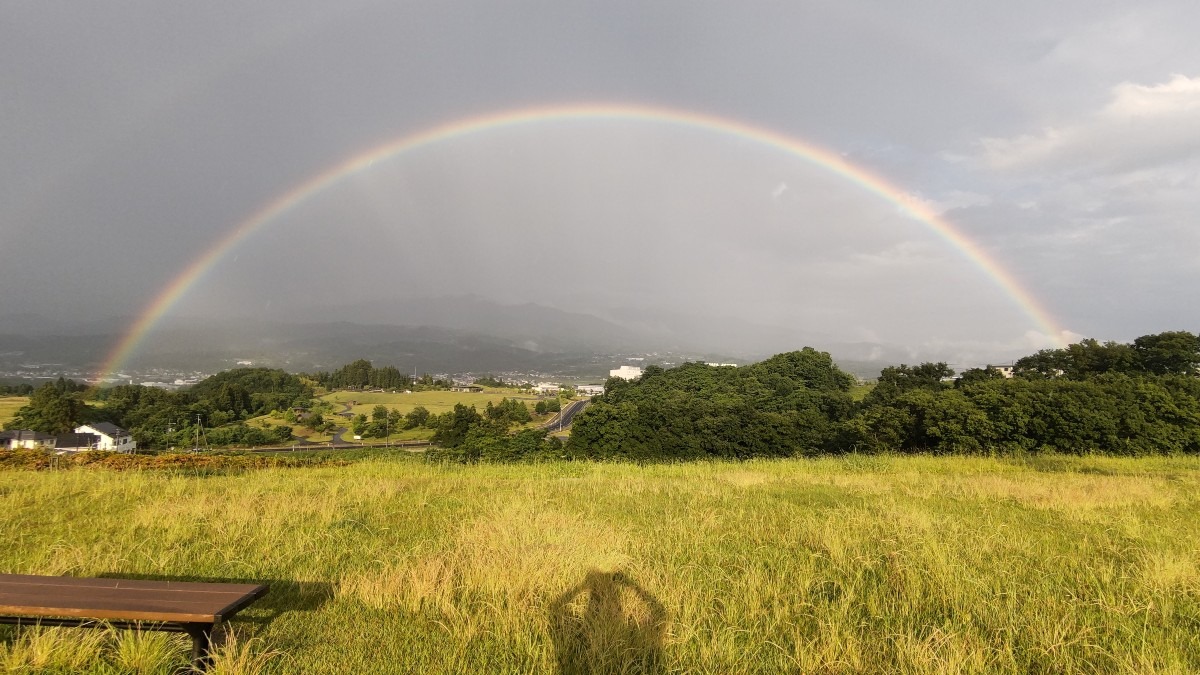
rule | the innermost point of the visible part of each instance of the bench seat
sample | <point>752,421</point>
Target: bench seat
<point>190,607</point>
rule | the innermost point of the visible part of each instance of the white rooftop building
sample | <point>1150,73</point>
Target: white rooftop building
<point>111,437</point>
<point>626,372</point>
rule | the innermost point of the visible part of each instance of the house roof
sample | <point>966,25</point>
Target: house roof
<point>27,435</point>
<point>66,441</point>
<point>108,429</point>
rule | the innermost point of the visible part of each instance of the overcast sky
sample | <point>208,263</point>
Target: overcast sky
<point>1063,138</point>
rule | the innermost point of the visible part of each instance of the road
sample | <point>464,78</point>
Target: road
<point>568,413</point>
<point>337,435</point>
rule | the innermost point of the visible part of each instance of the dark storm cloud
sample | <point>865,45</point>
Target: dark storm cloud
<point>133,137</point>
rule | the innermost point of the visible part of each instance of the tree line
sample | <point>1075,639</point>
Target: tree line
<point>1130,399</point>
<point>157,418</point>
<point>362,374</point>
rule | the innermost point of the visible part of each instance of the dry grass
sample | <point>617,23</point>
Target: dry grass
<point>848,565</point>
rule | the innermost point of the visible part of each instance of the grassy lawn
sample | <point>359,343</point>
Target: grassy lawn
<point>434,401</point>
<point>859,391</point>
<point>841,565</point>
<point>9,405</point>
<point>298,429</point>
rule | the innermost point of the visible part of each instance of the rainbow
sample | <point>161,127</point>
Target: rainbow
<point>815,155</point>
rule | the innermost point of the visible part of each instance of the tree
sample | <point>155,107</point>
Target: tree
<point>51,411</point>
<point>1170,353</point>
<point>896,380</point>
<point>416,417</point>
<point>972,376</point>
<point>453,426</point>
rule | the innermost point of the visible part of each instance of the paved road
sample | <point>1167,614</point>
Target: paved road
<point>337,435</point>
<point>568,413</point>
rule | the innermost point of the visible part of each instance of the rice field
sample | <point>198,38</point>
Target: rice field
<point>840,565</point>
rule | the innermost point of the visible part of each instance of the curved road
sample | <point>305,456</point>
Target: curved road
<point>337,435</point>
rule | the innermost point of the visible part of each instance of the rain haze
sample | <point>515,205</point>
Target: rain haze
<point>1059,141</point>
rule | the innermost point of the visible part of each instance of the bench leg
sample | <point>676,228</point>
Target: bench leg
<point>201,634</point>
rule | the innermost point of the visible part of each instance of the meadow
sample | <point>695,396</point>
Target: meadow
<point>436,402</point>
<point>855,564</point>
<point>9,405</point>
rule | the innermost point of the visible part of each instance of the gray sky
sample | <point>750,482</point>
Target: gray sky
<point>1064,138</point>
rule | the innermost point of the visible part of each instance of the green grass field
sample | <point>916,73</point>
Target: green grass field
<point>859,391</point>
<point>436,402</point>
<point>842,565</point>
<point>9,405</point>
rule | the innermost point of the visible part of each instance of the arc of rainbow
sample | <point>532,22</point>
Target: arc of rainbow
<point>808,152</point>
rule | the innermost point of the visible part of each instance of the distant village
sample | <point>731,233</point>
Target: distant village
<point>109,437</point>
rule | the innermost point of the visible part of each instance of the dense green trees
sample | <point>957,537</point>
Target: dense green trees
<point>54,408</point>
<point>361,374</point>
<point>785,405</point>
<point>1132,399</point>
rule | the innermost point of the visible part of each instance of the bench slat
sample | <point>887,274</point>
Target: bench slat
<point>111,599</point>
<point>95,582</point>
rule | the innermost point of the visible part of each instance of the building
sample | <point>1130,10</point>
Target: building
<point>24,439</point>
<point>112,437</point>
<point>590,389</point>
<point>76,442</point>
<point>626,372</point>
<point>1006,371</point>
<point>547,388</point>
<point>467,388</point>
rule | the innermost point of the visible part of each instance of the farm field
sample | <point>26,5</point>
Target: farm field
<point>436,402</point>
<point>839,565</point>
<point>9,405</point>
<point>299,431</point>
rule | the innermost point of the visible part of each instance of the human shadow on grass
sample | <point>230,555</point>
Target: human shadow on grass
<point>284,595</point>
<point>607,624</point>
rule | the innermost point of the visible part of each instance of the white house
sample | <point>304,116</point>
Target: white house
<point>1006,371</point>
<point>626,372</point>
<point>545,388</point>
<point>590,389</point>
<point>24,439</point>
<point>112,437</point>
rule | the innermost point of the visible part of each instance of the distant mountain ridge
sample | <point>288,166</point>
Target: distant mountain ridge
<point>463,333</point>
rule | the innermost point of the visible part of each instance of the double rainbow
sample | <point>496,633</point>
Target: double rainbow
<point>127,346</point>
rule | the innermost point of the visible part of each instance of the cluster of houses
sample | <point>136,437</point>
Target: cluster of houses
<point>98,436</point>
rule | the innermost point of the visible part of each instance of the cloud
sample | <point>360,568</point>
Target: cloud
<point>1140,126</point>
<point>949,201</point>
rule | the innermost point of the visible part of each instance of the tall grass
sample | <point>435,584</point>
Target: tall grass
<point>841,565</point>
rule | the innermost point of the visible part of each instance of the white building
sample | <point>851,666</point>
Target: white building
<point>546,388</point>
<point>626,372</point>
<point>590,389</point>
<point>1006,371</point>
<point>112,437</point>
<point>24,439</point>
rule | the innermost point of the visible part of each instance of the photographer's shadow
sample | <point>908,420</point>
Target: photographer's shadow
<point>607,624</point>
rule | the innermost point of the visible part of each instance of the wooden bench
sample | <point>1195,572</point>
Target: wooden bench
<point>190,607</point>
